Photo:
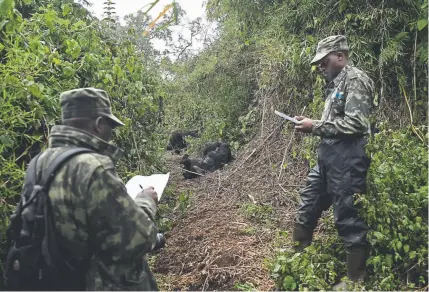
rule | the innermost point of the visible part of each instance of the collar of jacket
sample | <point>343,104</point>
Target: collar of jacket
<point>334,83</point>
<point>341,75</point>
<point>65,136</point>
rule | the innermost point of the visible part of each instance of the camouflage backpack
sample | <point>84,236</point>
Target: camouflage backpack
<point>37,258</point>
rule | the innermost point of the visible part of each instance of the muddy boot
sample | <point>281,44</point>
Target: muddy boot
<point>303,235</point>
<point>356,263</point>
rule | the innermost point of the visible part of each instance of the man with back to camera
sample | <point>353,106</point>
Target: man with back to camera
<point>90,202</point>
<point>342,163</point>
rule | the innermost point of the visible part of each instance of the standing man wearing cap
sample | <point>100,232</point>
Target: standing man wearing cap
<point>342,163</point>
<point>90,203</point>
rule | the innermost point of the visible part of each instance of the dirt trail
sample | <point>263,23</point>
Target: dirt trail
<point>214,244</point>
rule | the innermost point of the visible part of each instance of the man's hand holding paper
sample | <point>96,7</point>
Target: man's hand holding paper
<point>305,124</point>
<point>144,186</point>
<point>148,192</point>
<point>302,124</point>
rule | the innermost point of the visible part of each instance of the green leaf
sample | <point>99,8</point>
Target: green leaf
<point>34,90</point>
<point>422,23</point>
<point>7,141</point>
<point>406,248</point>
<point>3,23</point>
<point>5,6</point>
<point>342,6</point>
<point>49,19</point>
<point>412,254</point>
<point>66,9</point>
<point>68,71</point>
<point>378,235</point>
<point>289,283</point>
<point>399,245</point>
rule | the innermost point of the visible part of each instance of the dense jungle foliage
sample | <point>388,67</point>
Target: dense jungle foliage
<point>262,48</point>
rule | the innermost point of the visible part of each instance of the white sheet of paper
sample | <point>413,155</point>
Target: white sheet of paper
<point>157,181</point>
<point>286,117</point>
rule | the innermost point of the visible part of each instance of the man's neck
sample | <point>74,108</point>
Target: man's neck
<point>337,73</point>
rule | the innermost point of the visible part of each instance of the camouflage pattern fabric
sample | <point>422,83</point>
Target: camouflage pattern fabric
<point>91,206</point>
<point>348,107</point>
<point>86,103</point>
<point>333,43</point>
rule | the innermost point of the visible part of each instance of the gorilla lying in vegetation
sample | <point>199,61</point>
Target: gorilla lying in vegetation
<point>215,156</point>
<point>177,140</point>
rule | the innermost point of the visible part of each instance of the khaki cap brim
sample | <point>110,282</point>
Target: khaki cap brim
<point>114,119</point>
<point>318,58</point>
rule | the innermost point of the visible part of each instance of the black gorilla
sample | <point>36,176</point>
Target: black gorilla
<point>193,166</point>
<point>177,140</point>
<point>210,146</point>
<point>215,155</point>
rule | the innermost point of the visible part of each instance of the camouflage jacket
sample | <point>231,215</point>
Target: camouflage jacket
<point>91,206</point>
<point>349,105</point>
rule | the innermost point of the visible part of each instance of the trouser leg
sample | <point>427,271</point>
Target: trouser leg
<point>346,176</point>
<point>313,200</point>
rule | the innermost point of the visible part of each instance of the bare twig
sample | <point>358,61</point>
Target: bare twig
<point>263,116</point>
<point>414,71</point>
<point>137,151</point>
<point>286,193</point>
<point>205,282</point>
<point>252,198</point>
<point>285,152</point>
<point>218,187</point>
<point>189,171</point>
<point>411,115</point>
<point>287,148</point>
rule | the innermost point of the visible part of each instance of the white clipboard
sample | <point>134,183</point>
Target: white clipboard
<point>137,183</point>
<point>286,117</point>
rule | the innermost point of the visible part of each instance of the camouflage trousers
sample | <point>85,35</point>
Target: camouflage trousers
<point>340,173</point>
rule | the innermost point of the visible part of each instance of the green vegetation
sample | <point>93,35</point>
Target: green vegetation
<point>256,212</point>
<point>244,287</point>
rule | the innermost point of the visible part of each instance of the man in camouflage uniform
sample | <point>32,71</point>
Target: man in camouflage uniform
<point>90,203</point>
<point>342,164</point>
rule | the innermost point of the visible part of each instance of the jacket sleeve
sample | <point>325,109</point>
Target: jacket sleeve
<point>123,229</point>
<point>357,109</point>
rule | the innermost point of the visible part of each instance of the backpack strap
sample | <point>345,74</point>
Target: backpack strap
<point>32,170</point>
<point>49,174</point>
<point>30,180</point>
<point>50,248</point>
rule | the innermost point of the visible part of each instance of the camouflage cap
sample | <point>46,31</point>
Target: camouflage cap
<point>86,103</point>
<point>330,44</point>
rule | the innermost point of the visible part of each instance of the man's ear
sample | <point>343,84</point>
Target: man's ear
<point>98,124</point>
